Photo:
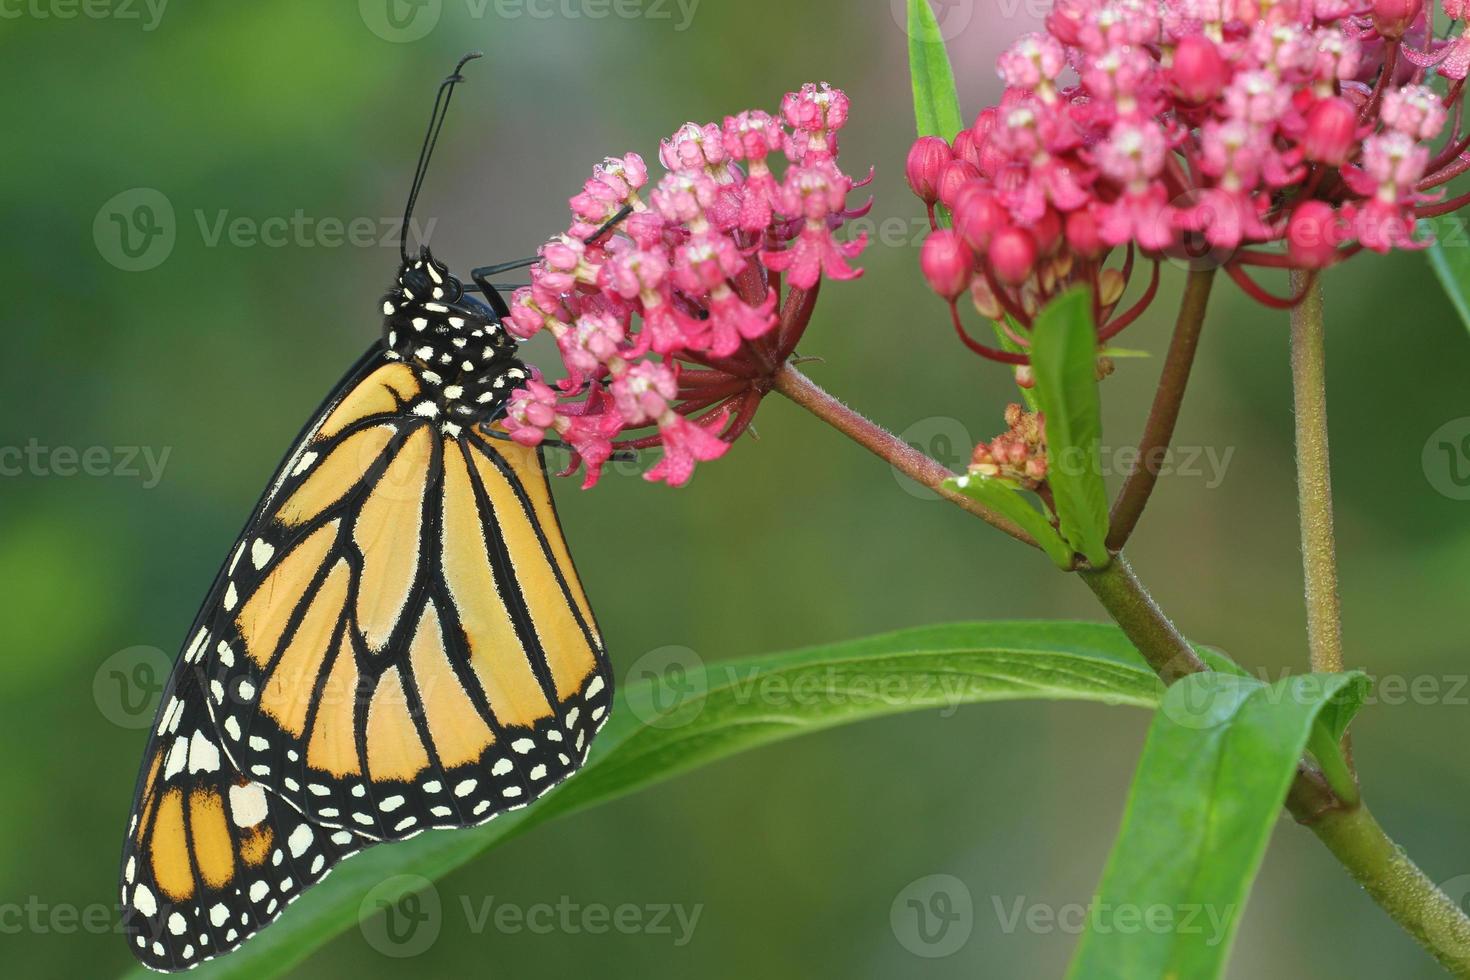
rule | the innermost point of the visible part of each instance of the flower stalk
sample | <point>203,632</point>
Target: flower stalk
<point>1314,480</point>
<point>1158,432</point>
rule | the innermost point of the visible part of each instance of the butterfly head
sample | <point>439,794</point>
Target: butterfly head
<point>452,340</point>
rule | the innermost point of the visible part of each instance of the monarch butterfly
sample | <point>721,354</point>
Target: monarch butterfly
<point>397,642</point>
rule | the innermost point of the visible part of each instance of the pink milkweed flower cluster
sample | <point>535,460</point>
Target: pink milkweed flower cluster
<point>1238,133</point>
<point>672,324</point>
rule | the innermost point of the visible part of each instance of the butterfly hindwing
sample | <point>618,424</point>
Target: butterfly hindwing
<point>403,643</point>
<point>211,856</point>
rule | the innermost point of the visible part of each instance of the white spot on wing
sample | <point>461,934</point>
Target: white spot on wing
<point>299,840</point>
<point>247,804</point>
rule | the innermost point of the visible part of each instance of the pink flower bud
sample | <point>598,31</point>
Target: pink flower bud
<point>965,148</point>
<point>978,215</point>
<point>1331,131</point>
<point>957,173</point>
<point>1456,9</point>
<point>946,263</point>
<point>1200,73</point>
<point>1012,255</point>
<point>1393,17</point>
<point>1083,236</point>
<point>1047,231</point>
<point>927,159</point>
<point>1313,235</point>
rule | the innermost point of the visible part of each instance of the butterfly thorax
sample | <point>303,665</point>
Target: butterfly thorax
<point>453,342</point>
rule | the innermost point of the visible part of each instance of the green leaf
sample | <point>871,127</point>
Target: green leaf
<point>1008,343</point>
<point>1452,265</point>
<point>936,101</point>
<point>1008,500</point>
<point>1064,362</point>
<point>729,707</point>
<point>1214,773</point>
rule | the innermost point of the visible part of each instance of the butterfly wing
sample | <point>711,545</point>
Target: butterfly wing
<point>211,856</point>
<point>402,642</point>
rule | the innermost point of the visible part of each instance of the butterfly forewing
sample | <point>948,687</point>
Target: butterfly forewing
<point>404,643</point>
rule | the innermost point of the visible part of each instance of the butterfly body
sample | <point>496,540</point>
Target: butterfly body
<point>397,642</point>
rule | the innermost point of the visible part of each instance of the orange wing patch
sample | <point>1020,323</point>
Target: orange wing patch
<point>387,533</point>
<point>393,747</point>
<point>568,652</point>
<point>263,619</point>
<point>498,656</point>
<point>333,476</point>
<point>289,686</point>
<point>379,394</point>
<point>460,735</point>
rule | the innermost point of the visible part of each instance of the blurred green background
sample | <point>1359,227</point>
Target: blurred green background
<point>793,854</point>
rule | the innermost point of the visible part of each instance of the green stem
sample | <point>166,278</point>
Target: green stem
<point>1158,431</point>
<point>1314,478</point>
<point>1393,881</point>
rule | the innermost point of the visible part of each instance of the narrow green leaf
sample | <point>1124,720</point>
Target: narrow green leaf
<point>936,100</point>
<point>725,708</point>
<point>1008,343</point>
<point>1008,500</point>
<point>1064,362</point>
<point>1214,773</point>
<point>1452,265</point>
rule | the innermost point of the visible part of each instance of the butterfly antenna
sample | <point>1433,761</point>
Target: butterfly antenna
<point>485,272</point>
<point>431,137</point>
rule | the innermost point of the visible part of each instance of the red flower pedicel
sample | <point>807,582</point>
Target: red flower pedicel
<point>672,325</point>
